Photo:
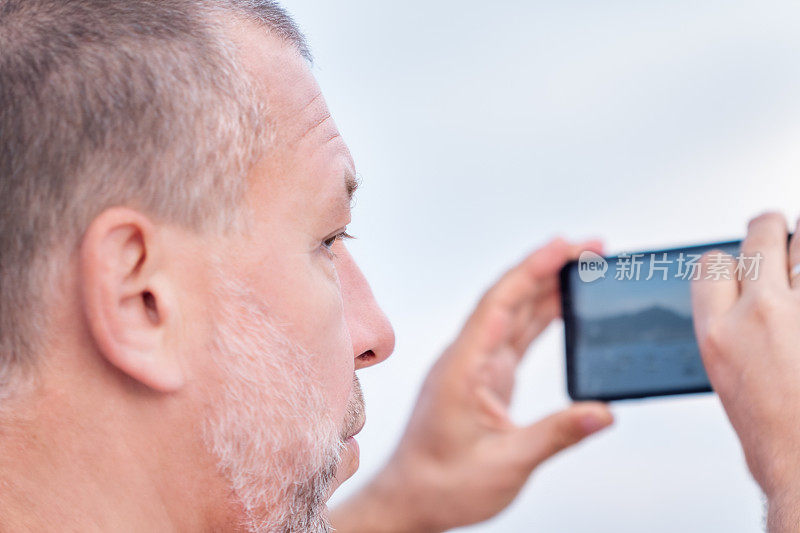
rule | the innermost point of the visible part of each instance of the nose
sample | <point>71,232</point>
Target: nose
<point>370,331</point>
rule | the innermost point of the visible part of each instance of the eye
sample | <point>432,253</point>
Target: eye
<point>330,241</point>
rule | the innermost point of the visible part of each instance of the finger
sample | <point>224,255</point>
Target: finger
<point>537,316</point>
<point>766,244</point>
<point>794,258</point>
<point>534,275</point>
<point>715,290</point>
<point>526,312</point>
<point>522,281</point>
<point>496,318</point>
<point>543,315</point>
<point>548,436</point>
<point>592,245</point>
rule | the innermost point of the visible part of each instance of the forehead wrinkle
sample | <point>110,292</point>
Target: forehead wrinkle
<point>317,125</point>
<point>313,116</point>
<point>317,96</point>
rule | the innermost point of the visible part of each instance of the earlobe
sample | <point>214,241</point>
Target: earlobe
<point>126,298</point>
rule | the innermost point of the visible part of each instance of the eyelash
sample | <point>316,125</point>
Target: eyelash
<point>332,240</point>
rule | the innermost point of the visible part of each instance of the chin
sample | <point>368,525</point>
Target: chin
<point>351,456</point>
<point>348,464</point>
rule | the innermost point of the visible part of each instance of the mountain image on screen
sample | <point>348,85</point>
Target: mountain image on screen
<point>652,324</point>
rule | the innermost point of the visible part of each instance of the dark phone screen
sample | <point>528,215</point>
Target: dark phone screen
<point>628,325</point>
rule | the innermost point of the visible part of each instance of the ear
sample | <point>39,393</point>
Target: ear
<point>126,297</point>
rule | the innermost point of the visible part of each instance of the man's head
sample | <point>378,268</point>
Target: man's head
<point>173,195</point>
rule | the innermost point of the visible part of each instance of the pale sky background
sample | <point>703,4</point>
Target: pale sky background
<point>482,129</point>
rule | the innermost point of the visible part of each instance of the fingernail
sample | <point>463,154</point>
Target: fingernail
<point>592,423</point>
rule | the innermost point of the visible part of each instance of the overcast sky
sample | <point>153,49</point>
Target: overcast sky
<point>482,129</point>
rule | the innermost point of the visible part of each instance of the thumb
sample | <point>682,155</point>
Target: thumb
<point>550,435</point>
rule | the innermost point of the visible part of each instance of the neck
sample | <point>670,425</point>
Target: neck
<point>68,463</point>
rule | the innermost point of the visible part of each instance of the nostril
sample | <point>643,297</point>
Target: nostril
<point>369,355</point>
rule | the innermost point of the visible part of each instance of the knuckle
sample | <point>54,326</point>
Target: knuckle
<point>714,341</point>
<point>764,305</point>
<point>493,296</point>
<point>717,347</point>
<point>564,439</point>
<point>570,434</point>
<point>562,434</point>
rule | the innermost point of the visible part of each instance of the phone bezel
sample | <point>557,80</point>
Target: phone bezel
<point>570,331</point>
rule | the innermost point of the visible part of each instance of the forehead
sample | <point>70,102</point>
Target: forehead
<point>299,119</point>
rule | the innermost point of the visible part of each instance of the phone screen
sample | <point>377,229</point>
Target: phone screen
<point>628,322</point>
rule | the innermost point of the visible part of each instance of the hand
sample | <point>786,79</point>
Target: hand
<point>462,460</point>
<point>749,335</point>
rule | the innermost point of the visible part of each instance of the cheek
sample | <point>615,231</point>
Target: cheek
<point>324,333</point>
<point>307,300</point>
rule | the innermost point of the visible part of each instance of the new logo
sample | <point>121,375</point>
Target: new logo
<point>591,266</point>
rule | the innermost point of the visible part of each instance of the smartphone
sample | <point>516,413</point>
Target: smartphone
<point>628,321</point>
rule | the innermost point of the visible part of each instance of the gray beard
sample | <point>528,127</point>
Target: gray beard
<point>308,511</point>
<point>266,429</point>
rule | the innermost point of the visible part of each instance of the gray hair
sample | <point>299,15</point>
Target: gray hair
<point>140,103</point>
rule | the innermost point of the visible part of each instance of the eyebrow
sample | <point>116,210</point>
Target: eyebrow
<point>351,184</point>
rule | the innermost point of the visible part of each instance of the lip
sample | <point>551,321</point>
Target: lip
<point>358,429</point>
<point>352,445</point>
<point>361,425</point>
